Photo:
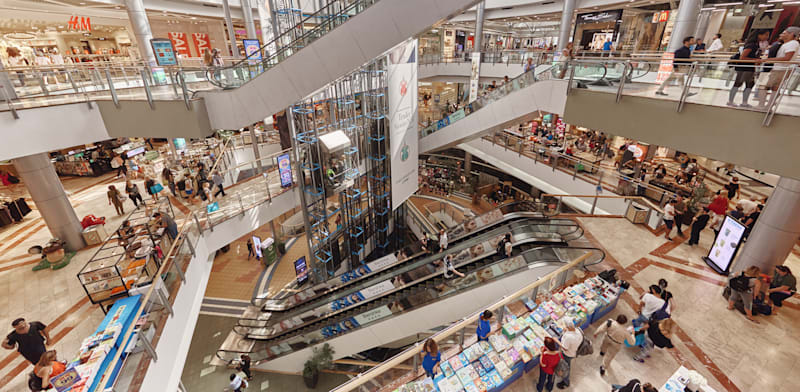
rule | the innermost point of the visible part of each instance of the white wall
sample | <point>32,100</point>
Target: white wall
<point>461,71</point>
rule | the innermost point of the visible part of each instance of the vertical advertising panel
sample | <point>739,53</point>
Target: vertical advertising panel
<point>252,49</point>
<point>474,75</point>
<point>164,52</point>
<point>201,43</point>
<point>180,43</point>
<point>404,143</point>
<point>285,170</point>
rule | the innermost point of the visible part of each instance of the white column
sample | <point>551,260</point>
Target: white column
<point>231,33</point>
<point>702,25</point>
<point>265,20</point>
<point>141,29</point>
<point>249,24</point>
<point>685,23</point>
<point>566,24</point>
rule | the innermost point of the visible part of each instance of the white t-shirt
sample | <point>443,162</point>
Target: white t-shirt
<point>651,304</point>
<point>570,341</point>
<point>716,45</point>
<point>669,212</point>
<point>443,240</point>
<point>791,46</point>
<point>508,248</point>
<point>748,206</point>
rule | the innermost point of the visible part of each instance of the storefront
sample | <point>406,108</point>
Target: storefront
<point>645,30</point>
<point>191,37</point>
<point>593,29</point>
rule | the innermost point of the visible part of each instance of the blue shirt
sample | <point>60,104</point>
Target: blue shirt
<point>429,361</point>
<point>607,46</point>
<point>483,329</point>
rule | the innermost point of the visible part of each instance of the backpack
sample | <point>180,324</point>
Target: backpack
<point>740,283</point>
<point>586,346</point>
<point>609,276</point>
<point>662,313</point>
<point>501,247</point>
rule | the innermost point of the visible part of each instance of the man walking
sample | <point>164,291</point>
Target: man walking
<point>30,339</point>
<point>680,65</point>
<point>216,178</point>
<point>680,213</point>
<point>615,334</point>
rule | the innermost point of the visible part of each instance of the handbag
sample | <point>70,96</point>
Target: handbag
<point>662,313</point>
<point>562,368</point>
<point>212,207</point>
<point>156,188</point>
<point>585,347</point>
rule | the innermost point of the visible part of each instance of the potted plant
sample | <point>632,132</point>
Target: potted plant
<point>321,359</point>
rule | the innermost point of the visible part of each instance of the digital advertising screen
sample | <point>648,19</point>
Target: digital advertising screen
<point>164,51</point>
<point>301,270</point>
<point>285,170</point>
<point>721,254</point>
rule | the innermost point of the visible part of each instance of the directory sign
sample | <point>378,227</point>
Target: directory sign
<point>163,51</point>
<point>285,170</point>
<point>725,245</point>
<point>301,270</point>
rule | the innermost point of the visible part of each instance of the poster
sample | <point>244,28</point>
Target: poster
<point>665,68</point>
<point>257,246</point>
<point>285,170</point>
<point>180,43</point>
<point>404,141</point>
<point>301,270</point>
<point>727,242</point>
<point>163,51</point>
<point>201,43</point>
<point>252,49</point>
<point>474,77</point>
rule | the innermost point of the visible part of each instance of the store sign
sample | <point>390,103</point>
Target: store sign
<point>599,17</point>
<point>79,23</point>
<point>404,139</point>
<point>662,16</point>
<point>373,315</point>
<point>201,43</point>
<point>164,52</point>
<point>180,43</point>
<point>285,170</point>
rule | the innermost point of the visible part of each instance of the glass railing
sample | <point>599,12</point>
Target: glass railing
<point>524,232</point>
<point>405,366</point>
<point>327,18</point>
<point>127,371</point>
<point>433,288</point>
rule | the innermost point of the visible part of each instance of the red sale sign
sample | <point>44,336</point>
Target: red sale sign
<point>201,43</point>
<point>179,43</point>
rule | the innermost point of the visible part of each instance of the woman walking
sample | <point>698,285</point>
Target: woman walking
<point>115,198</point>
<point>133,193</point>
<point>746,70</point>
<point>169,179</point>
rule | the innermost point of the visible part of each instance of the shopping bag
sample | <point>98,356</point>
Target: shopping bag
<point>212,207</point>
<point>156,188</point>
<point>562,368</point>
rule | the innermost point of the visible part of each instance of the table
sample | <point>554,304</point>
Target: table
<point>678,381</point>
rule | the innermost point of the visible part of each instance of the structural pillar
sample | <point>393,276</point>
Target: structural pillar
<point>266,23</point>
<point>685,23</point>
<point>566,24</point>
<point>475,76</point>
<point>247,14</point>
<point>776,230</point>
<point>256,152</point>
<point>231,33</point>
<point>141,29</point>
<point>44,186</point>
<point>467,163</point>
<point>702,25</point>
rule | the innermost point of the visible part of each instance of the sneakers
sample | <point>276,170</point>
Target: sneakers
<point>745,105</point>
<point>562,385</point>
<point>602,371</point>
<point>661,93</point>
<point>602,353</point>
<point>731,104</point>
<point>690,95</point>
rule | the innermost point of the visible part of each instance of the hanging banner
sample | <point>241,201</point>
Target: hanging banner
<point>474,76</point>
<point>180,43</point>
<point>404,141</point>
<point>285,170</point>
<point>201,43</point>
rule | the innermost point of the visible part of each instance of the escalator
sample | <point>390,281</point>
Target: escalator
<point>294,297</point>
<point>525,233</point>
<point>398,311</point>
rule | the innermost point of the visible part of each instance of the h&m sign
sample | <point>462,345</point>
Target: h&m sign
<point>79,23</point>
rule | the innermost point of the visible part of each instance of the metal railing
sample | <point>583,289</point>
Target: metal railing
<point>394,371</point>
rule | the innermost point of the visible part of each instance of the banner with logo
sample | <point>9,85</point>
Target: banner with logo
<point>474,76</point>
<point>404,142</point>
<point>201,43</point>
<point>285,170</point>
<point>180,43</point>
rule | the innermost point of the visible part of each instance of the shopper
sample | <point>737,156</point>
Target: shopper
<point>484,325</point>
<point>431,357</point>
<point>783,286</point>
<point>786,52</point>
<point>699,46</point>
<point>666,295</point>
<point>168,178</point>
<point>716,44</point>
<point>733,188</point>
<point>669,218</point>
<point>744,288</point>
<point>750,221</point>
<point>746,68</point>
<point>216,178</point>
<point>133,193</point>
<point>30,339</point>
<point>566,56</point>
<point>149,185</point>
<point>615,334</point>
<point>649,303</point>
<point>680,213</point>
<point>45,370</point>
<point>15,59</point>
<point>250,252</point>
<point>699,223</point>
<point>244,366</point>
<point>508,247</point>
<point>423,243</point>
<point>660,332</point>
<point>738,213</point>
<point>679,67</point>
<point>449,268</point>
<point>115,198</point>
<point>237,384</point>
<point>548,360</point>
<point>634,386</point>
<point>637,338</point>
<point>719,206</point>
<point>571,339</point>
<point>529,66</point>
<point>442,240</point>
<point>169,225</point>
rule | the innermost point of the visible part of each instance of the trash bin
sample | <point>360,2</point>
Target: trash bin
<point>269,251</point>
<point>636,214</point>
